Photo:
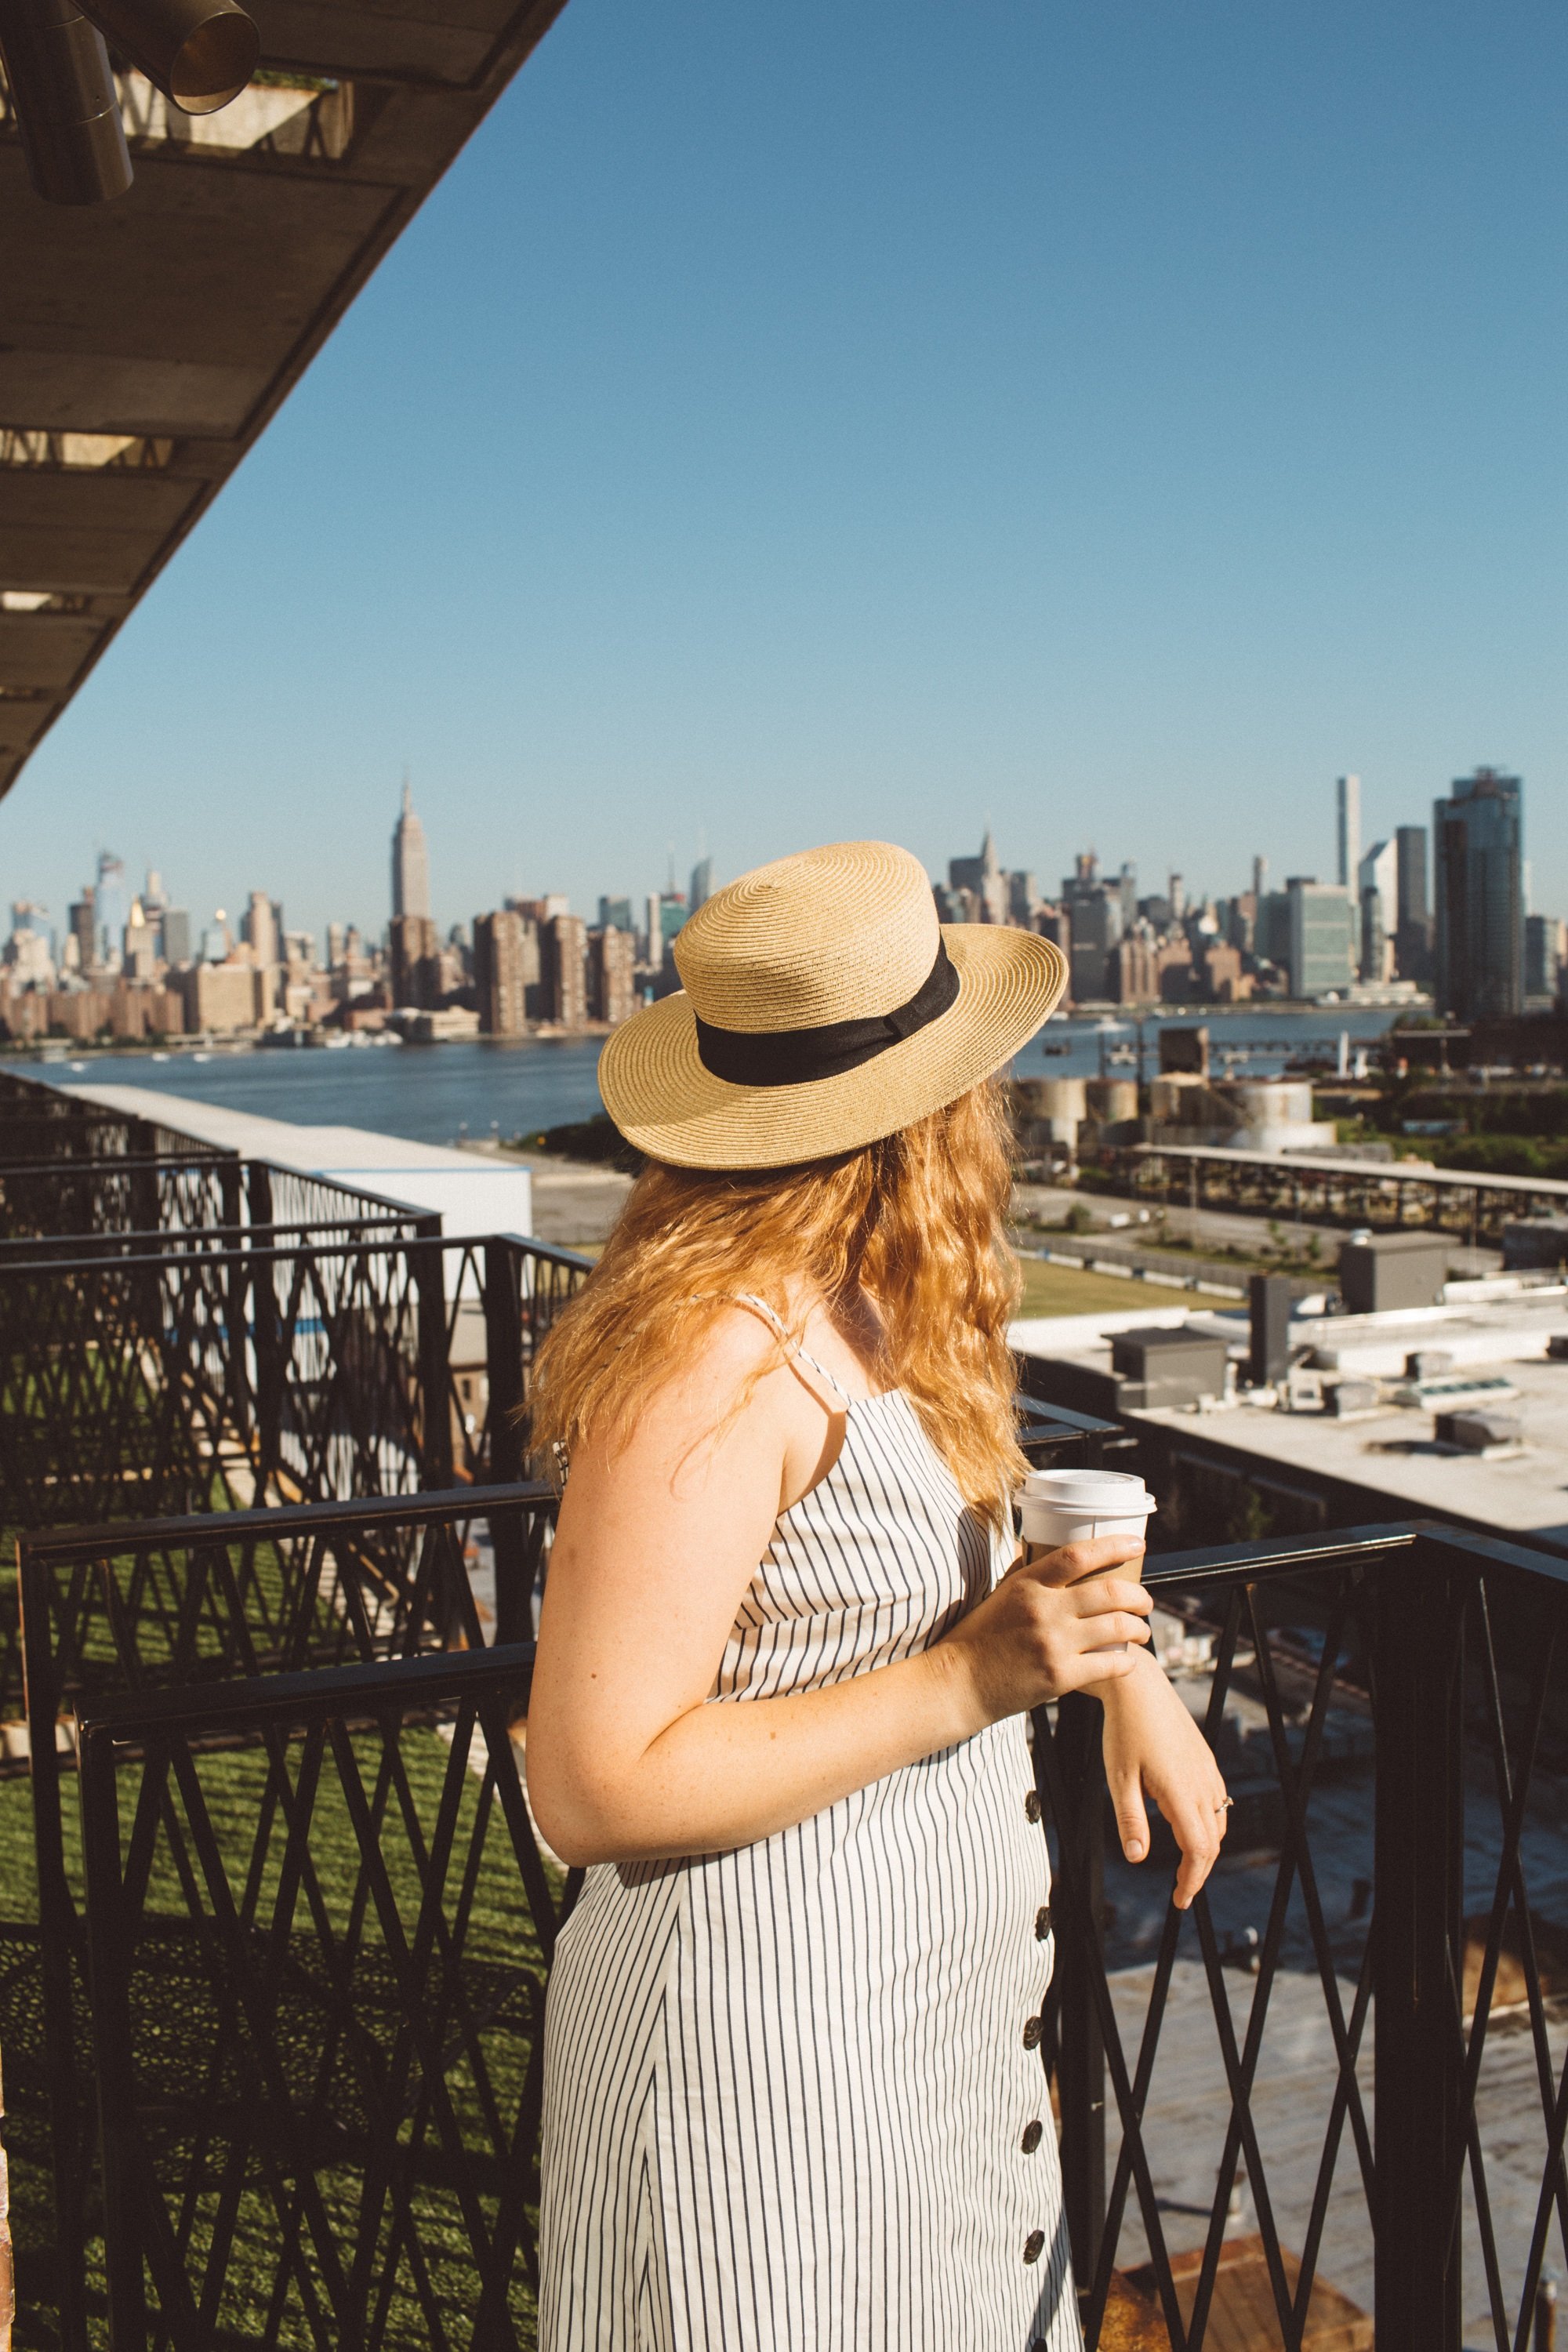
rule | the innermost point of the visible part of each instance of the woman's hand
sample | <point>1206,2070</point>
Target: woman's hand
<point>1044,1630</point>
<point>1152,1747</point>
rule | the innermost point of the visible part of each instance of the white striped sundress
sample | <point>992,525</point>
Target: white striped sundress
<point>793,2094</point>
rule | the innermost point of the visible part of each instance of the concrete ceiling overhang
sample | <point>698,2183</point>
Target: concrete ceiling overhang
<point>144,344</point>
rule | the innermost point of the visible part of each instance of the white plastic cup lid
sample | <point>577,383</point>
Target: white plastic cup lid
<point>1091,1494</point>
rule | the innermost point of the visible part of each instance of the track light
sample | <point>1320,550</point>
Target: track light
<point>199,53</point>
<point>62,95</point>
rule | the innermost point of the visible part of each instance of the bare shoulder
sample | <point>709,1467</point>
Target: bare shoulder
<point>737,1363</point>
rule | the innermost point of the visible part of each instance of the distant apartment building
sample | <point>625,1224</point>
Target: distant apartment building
<point>1135,968</point>
<point>611,976</point>
<point>505,948</point>
<point>410,864</point>
<point>563,971</point>
<point>219,998</point>
<point>1479,928</point>
<point>416,962</point>
<point>1321,956</point>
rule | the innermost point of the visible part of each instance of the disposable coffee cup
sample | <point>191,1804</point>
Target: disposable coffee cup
<point>1064,1506</point>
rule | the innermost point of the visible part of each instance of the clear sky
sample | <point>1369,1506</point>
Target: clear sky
<point>788,423</point>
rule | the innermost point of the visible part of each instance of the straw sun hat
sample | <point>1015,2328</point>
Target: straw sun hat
<point>824,1005</point>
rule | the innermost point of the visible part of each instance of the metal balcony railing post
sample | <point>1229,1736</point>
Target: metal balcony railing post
<point>259,1191</point>
<point>1417,1939</point>
<point>237,1307</point>
<point>69,2155</point>
<point>1080,1951</point>
<point>503,1365</point>
<point>428,1263</point>
<point>267,1332</point>
<point>107,1934</point>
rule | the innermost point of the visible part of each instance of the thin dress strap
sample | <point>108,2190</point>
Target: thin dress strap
<point>788,1341</point>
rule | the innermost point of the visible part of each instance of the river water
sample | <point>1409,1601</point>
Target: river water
<point>438,1093</point>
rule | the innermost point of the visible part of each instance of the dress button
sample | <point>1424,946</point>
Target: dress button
<point>1042,1923</point>
<point>1032,2135</point>
<point>1033,2245</point>
<point>1032,2032</point>
<point>1032,1805</point>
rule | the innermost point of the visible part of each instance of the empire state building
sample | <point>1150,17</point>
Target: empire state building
<point>410,865</point>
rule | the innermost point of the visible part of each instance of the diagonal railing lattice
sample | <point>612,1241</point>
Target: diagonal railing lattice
<point>1361,2068</point>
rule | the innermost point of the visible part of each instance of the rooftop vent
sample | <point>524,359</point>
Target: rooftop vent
<point>1489,1434</point>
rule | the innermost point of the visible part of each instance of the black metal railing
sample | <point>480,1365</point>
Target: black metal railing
<point>1377,2073</point>
<point>196,1605</point>
<point>132,1194</point>
<point>43,1123</point>
<point>1392,1708</point>
<point>181,1381</point>
<point>320,2045</point>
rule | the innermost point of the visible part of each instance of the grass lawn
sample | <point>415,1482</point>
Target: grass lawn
<point>1062,1290</point>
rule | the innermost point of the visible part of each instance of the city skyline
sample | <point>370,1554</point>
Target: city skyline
<point>1421,919</point>
<point>1156,413</point>
<point>420,893</point>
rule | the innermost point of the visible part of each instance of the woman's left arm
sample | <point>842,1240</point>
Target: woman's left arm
<point>1152,1747</point>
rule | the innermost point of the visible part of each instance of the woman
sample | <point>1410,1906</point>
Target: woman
<point>793,2094</point>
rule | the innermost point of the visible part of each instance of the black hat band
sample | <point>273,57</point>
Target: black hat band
<point>794,1057</point>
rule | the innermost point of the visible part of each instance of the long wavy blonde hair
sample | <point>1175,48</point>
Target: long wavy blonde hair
<point>915,1222</point>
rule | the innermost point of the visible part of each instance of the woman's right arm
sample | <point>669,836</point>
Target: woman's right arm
<point>658,1539</point>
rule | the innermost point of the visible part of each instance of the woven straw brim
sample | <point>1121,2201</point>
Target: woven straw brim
<point>665,1102</point>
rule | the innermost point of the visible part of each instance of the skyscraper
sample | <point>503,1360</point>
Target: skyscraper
<point>1476,844</point>
<point>611,977</point>
<point>501,944</point>
<point>983,877</point>
<point>1347,802</point>
<point>1323,936</point>
<point>410,864</point>
<point>112,898</point>
<point>82,920</point>
<point>1378,881</point>
<point>563,960</point>
<point>416,962</point>
<point>701,890</point>
<point>259,927</point>
<point>1412,941</point>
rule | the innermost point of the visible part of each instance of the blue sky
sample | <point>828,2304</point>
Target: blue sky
<point>884,418</point>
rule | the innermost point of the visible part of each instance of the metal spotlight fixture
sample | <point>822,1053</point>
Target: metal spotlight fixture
<point>199,53</point>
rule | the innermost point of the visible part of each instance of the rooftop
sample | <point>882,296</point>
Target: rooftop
<point>1496,1335</point>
